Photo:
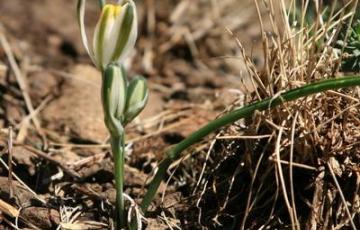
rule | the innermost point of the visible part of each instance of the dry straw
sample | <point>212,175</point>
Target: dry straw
<point>306,174</point>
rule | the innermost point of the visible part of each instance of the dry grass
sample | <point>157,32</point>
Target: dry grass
<point>301,169</point>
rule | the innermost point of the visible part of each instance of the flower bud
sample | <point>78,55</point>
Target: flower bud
<point>115,32</point>
<point>114,97</point>
<point>137,96</point>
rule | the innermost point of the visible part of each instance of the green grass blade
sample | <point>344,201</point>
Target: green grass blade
<point>246,111</point>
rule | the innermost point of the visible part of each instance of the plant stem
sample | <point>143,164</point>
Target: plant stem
<point>246,111</point>
<point>118,150</point>
<point>102,3</point>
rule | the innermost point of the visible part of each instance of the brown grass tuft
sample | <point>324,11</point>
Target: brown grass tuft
<point>296,166</point>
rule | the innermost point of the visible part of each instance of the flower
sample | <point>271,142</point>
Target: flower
<point>136,98</point>
<point>115,33</point>
<point>114,90</point>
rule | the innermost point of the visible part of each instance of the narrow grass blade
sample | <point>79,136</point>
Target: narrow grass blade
<point>246,111</point>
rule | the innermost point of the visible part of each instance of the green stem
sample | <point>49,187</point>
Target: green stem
<point>246,111</point>
<point>118,150</point>
<point>102,3</point>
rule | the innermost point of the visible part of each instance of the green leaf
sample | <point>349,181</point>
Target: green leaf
<point>175,152</point>
<point>137,97</point>
<point>114,98</point>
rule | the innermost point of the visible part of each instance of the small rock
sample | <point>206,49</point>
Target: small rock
<point>44,218</point>
<point>153,223</point>
<point>41,84</point>
<point>24,157</point>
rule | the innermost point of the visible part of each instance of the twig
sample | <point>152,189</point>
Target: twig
<point>298,165</point>
<point>23,125</point>
<point>353,226</point>
<point>10,148</point>
<point>256,137</point>
<point>22,182</point>
<point>291,164</point>
<point>204,166</point>
<point>249,198</point>
<point>101,146</point>
<point>67,170</point>
<point>8,209</point>
<point>20,79</point>
<point>281,177</point>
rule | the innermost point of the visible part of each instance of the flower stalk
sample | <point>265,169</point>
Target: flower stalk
<point>118,150</point>
<point>113,100</point>
<point>114,38</point>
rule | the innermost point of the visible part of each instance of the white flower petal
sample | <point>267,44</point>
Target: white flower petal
<point>115,34</point>
<point>81,17</point>
<point>111,40</point>
<point>101,36</point>
<point>131,39</point>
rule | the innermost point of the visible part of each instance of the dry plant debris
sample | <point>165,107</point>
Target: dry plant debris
<point>304,171</point>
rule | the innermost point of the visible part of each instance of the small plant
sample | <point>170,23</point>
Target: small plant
<point>114,38</point>
<point>351,60</point>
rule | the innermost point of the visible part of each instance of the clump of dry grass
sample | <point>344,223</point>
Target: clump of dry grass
<point>298,165</point>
